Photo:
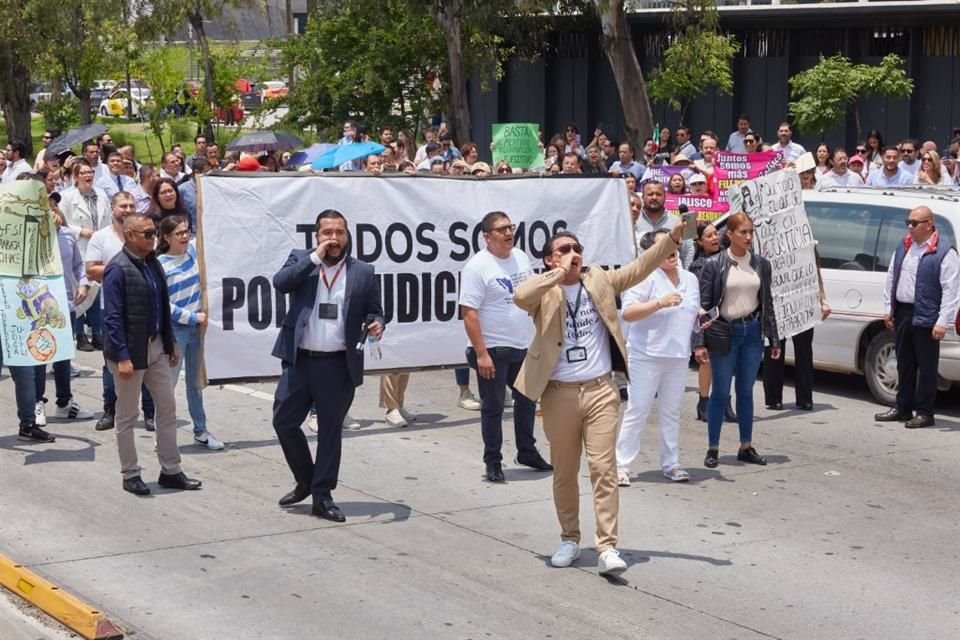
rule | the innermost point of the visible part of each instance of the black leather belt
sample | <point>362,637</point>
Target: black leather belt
<point>750,317</point>
<point>320,354</point>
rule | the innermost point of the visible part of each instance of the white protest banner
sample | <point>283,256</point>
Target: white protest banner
<point>418,231</point>
<point>782,235</point>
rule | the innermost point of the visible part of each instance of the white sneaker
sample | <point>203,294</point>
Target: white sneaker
<point>395,419</point>
<point>409,416</point>
<point>468,401</point>
<point>566,554</point>
<point>73,411</point>
<point>40,414</point>
<point>349,422</point>
<point>207,440</point>
<point>610,563</point>
<point>623,479</point>
<point>74,372</point>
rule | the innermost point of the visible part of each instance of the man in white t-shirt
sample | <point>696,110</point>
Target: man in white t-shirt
<point>840,175</point>
<point>103,246</point>
<point>499,333</point>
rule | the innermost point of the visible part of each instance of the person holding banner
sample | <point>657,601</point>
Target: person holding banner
<point>576,344</point>
<point>334,308</point>
<point>498,333</point>
<point>737,282</point>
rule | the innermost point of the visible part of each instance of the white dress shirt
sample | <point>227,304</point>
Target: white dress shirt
<point>327,335</point>
<point>907,284</point>
<point>14,169</point>
<point>791,151</point>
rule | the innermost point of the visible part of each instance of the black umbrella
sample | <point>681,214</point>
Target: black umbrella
<point>265,141</point>
<point>74,137</point>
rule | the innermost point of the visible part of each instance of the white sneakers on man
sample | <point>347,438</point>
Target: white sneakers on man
<point>566,554</point>
<point>73,411</point>
<point>394,418</point>
<point>610,563</point>
<point>468,401</point>
<point>207,440</point>
<point>349,422</point>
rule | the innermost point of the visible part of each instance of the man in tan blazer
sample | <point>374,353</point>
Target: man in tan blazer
<point>576,344</point>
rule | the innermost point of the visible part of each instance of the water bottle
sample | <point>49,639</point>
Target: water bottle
<point>373,348</point>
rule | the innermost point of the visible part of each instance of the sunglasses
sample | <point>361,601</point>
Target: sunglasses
<point>567,248</point>
<point>749,141</point>
<point>149,234</point>
<point>916,223</point>
<point>861,149</point>
<point>909,150</point>
<point>505,228</point>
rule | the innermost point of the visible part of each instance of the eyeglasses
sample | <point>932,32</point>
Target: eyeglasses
<point>567,248</point>
<point>84,174</point>
<point>182,233</point>
<point>505,228</point>
<point>148,234</point>
<point>916,223</point>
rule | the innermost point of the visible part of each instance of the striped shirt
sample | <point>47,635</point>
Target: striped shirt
<point>183,285</point>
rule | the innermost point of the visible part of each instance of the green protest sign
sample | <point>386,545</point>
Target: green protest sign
<point>518,144</point>
<point>28,233</point>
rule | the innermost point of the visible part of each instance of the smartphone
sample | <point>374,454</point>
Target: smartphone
<point>689,221</point>
<point>578,140</point>
<point>708,317</point>
<point>600,127</point>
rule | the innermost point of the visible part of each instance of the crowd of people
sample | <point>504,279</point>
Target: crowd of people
<point>125,232</point>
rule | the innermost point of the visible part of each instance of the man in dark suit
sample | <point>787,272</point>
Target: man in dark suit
<point>333,296</point>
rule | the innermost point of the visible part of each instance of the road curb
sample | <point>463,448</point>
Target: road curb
<point>57,603</point>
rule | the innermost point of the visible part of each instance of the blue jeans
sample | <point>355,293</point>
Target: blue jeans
<point>110,395</point>
<point>24,390</point>
<point>462,376</point>
<point>743,361</point>
<point>61,380</point>
<point>506,362</point>
<point>191,355</point>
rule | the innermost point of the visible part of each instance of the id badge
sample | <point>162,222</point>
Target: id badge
<point>576,354</point>
<point>328,311</point>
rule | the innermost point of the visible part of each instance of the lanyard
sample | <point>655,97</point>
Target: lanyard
<point>329,285</point>
<point>572,311</point>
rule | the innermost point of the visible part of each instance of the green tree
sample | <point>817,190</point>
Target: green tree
<point>17,46</point>
<point>823,94</point>
<point>697,57</point>
<point>156,66</point>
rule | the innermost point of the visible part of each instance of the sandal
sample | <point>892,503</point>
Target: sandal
<point>677,475</point>
<point>623,479</point>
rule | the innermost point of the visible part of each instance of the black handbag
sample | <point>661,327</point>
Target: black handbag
<point>717,337</point>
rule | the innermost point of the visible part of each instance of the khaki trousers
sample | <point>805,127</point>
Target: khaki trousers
<point>157,379</point>
<point>393,388</point>
<point>575,415</point>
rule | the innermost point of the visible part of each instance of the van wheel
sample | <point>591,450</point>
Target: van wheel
<point>880,368</point>
<point>103,111</point>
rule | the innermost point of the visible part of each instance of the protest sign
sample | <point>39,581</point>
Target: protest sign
<point>662,173</point>
<point>707,207</point>
<point>28,233</point>
<point>34,321</point>
<point>518,144</point>
<point>782,235</point>
<point>733,168</point>
<point>417,231</point>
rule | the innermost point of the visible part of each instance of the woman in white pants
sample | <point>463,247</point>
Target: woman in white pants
<point>660,312</point>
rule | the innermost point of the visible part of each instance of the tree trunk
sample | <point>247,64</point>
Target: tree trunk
<point>83,95</point>
<point>291,33</point>
<point>15,96</point>
<point>449,18</point>
<point>617,44</point>
<point>196,21</point>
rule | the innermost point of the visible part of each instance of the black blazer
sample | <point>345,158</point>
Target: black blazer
<point>300,277</point>
<point>713,281</point>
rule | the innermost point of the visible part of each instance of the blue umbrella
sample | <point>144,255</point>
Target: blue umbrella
<point>345,153</point>
<point>307,156</point>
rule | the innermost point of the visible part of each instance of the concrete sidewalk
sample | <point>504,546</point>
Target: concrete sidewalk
<point>850,532</point>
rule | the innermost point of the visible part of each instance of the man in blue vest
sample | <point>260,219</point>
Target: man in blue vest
<point>921,298</point>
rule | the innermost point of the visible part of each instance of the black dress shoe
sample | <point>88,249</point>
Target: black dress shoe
<point>712,459</point>
<point>83,344</point>
<point>893,415</point>
<point>702,408</point>
<point>105,423</point>
<point>495,472</point>
<point>136,486</point>
<point>775,406</point>
<point>97,343</point>
<point>920,421</point>
<point>805,406</point>
<point>750,455</point>
<point>534,461</point>
<point>328,510</point>
<point>178,481</point>
<point>300,493</point>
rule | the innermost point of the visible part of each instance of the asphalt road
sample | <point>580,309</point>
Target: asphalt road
<point>850,532</point>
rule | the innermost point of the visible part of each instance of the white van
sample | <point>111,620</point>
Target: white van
<point>857,230</point>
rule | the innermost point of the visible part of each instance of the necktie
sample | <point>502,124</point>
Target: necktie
<point>119,184</point>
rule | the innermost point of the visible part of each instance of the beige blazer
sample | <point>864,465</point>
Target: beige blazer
<point>540,296</point>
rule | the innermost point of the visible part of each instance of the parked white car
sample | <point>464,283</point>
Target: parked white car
<point>857,230</point>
